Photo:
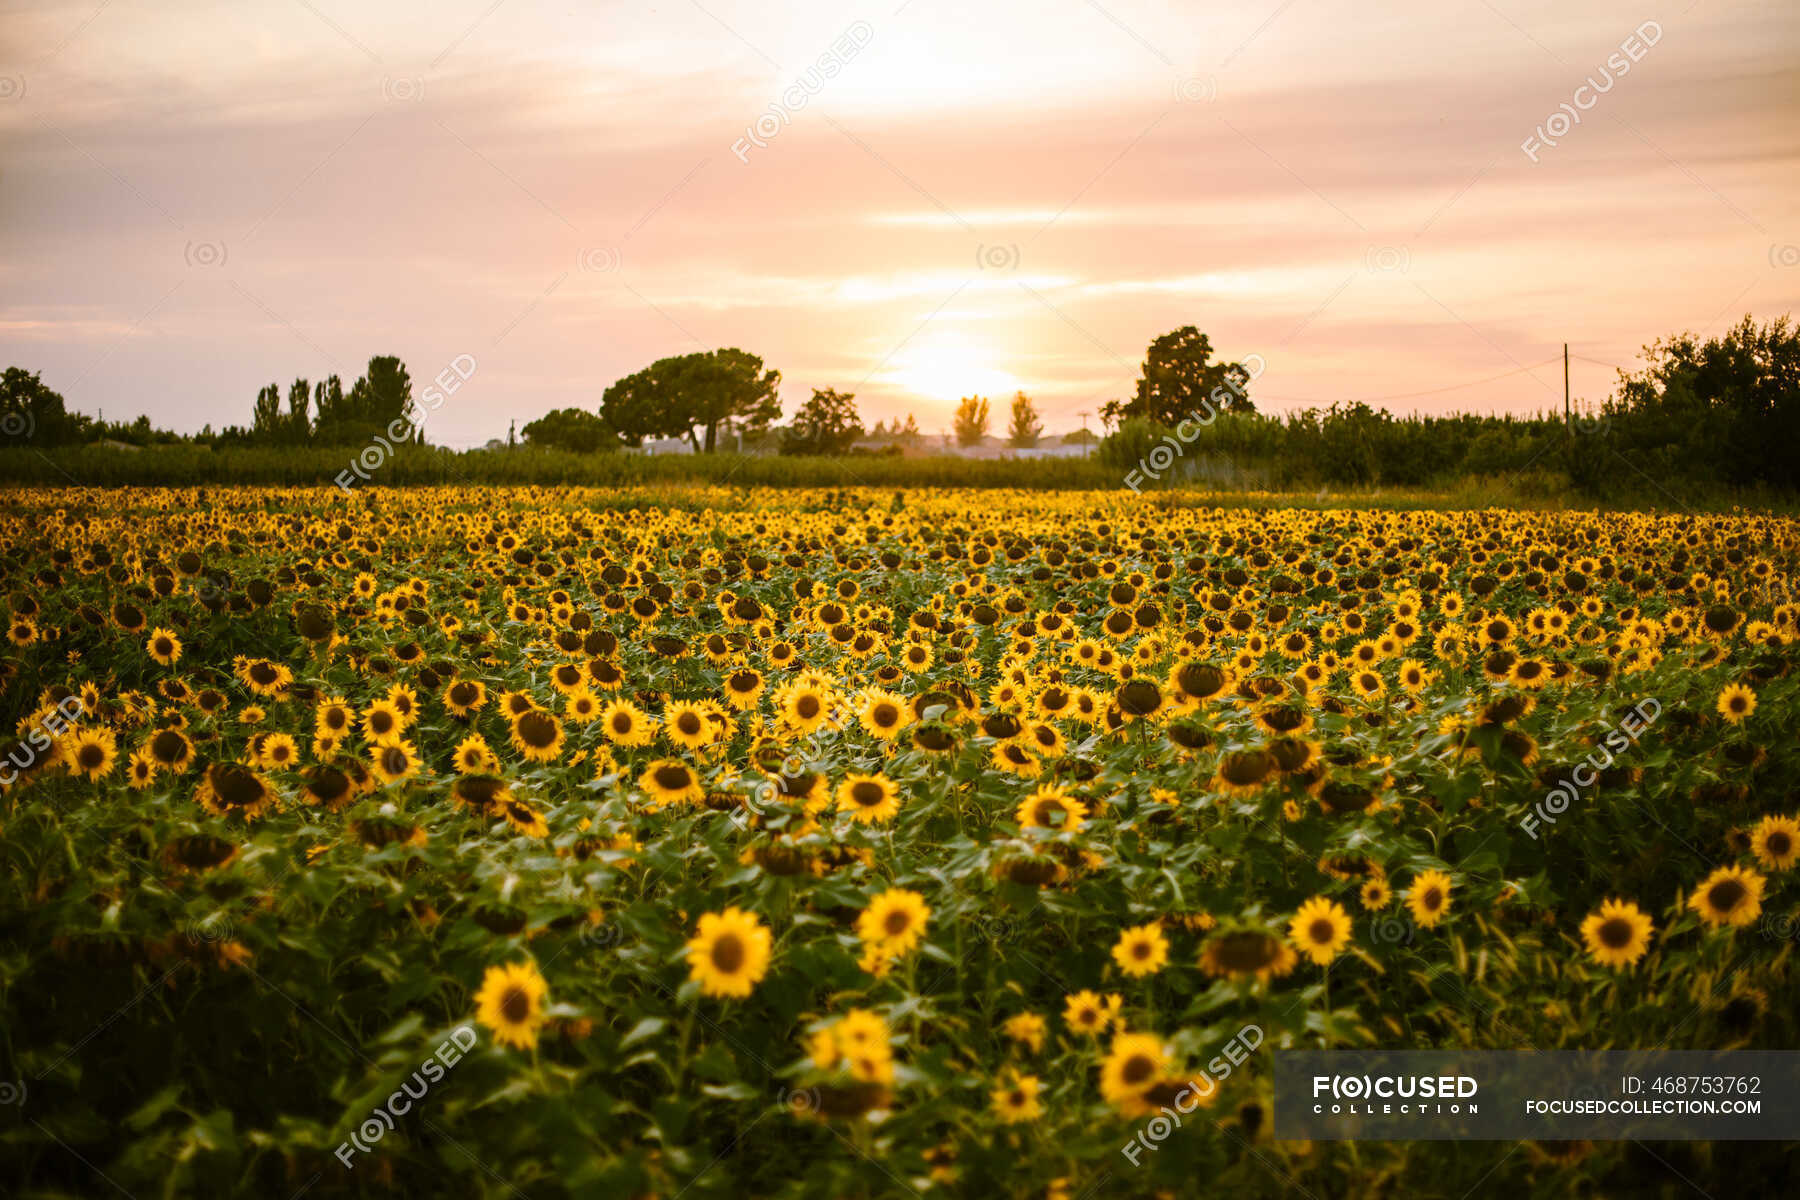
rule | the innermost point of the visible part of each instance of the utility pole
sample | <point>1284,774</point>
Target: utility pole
<point>1084,442</point>
<point>1567,421</point>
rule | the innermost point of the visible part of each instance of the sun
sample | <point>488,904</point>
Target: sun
<point>950,365</point>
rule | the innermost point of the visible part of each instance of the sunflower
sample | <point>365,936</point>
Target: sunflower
<point>1244,771</point>
<point>164,646</point>
<point>625,724</point>
<point>275,751</point>
<point>743,687</point>
<point>465,697</point>
<point>170,748</point>
<point>327,785</point>
<point>537,735</point>
<point>869,799</point>
<point>1776,842</point>
<point>894,921</point>
<point>1429,897</point>
<point>804,707</point>
<point>686,726</point>
<point>581,707</point>
<point>1016,1100</point>
<point>523,818</point>
<point>382,722</point>
<point>1133,1063</point>
<point>1729,896</point>
<point>1736,702</point>
<point>1618,934</point>
<point>729,954</point>
<point>91,753</point>
<point>393,761</point>
<point>511,1003</point>
<point>883,714</point>
<point>484,795</point>
<point>1246,953</point>
<point>473,757</point>
<point>1320,929</point>
<point>1050,807</point>
<point>1086,1012</point>
<point>140,772</point>
<point>1376,894</point>
<point>671,782</point>
<point>1027,1029</point>
<point>228,788</point>
<point>1141,950</point>
<point>267,679</point>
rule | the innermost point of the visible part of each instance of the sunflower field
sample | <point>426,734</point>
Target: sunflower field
<point>567,842</point>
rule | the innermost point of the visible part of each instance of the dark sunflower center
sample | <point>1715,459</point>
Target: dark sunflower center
<point>1138,1069</point>
<point>91,757</point>
<point>884,715</point>
<point>393,760</point>
<point>1726,894</point>
<point>674,777</point>
<point>537,730</point>
<point>1432,900</point>
<point>689,723</point>
<point>515,1006</point>
<point>728,953</point>
<point>167,746</point>
<point>867,793</point>
<point>1778,844</point>
<point>1248,951</point>
<point>1615,933</point>
<point>807,707</point>
<point>1321,932</point>
<point>896,923</point>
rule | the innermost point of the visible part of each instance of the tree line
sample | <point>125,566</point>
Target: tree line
<point>1719,411</point>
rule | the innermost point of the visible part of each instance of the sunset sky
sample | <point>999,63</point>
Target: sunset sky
<point>199,198</point>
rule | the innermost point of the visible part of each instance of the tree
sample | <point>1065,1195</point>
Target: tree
<point>1180,381</point>
<point>1025,429</point>
<point>29,411</point>
<point>299,420</point>
<point>825,424</point>
<point>678,397</point>
<point>909,432</point>
<point>971,424</point>
<point>1079,437</point>
<point>573,429</point>
<point>265,422</point>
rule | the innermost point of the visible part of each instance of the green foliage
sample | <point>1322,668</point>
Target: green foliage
<point>573,429</point>
<point>1180,382</point>
<point>682,396</point>
<point>971,422</point>
<point>1025,429</point>
<point>826,424</point>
